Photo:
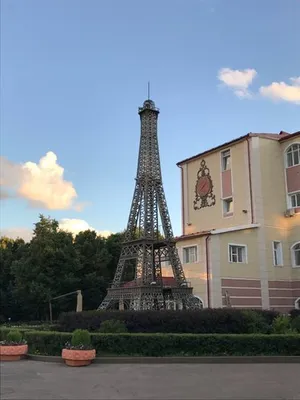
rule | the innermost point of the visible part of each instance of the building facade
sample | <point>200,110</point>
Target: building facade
<point>240,243</point>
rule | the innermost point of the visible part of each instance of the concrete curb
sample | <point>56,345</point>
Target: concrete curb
<point>181,360</point>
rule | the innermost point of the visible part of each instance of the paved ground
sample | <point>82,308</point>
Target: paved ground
<point>38,380</point>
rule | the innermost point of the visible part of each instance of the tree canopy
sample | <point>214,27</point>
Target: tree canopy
<point>51,264</point>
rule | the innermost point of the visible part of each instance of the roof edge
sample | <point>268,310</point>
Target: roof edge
<point>269,136</point>
<point>192,235</point>
<point>291,135</point>
<point>239,139</point>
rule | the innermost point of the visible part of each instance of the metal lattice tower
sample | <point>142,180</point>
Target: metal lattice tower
<point>138,282</point>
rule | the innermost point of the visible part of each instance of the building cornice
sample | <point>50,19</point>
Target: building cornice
<point>234,229</point>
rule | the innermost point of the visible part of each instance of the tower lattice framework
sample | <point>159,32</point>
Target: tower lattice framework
<point>138,283</point>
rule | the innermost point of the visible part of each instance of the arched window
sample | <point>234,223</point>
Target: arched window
<point>293,155</point>
<point>297,304</point>
<point>296,255</point>
<point>199,301</point>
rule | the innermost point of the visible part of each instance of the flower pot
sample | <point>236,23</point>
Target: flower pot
<point>78,358</point>
<point>13,353</point>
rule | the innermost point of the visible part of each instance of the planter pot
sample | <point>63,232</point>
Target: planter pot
<point>78,358</point>
<point>13,353</point>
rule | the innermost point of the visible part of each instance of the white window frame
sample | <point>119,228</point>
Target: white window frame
<point>223,157</point>
<point>225,200</point>
<point>245,260</point>
<point>297,304</point>
<point>287,150</point>
<point>196,254</point>
<point>280,263</point>
<point>293,255</point>
<point>290,199</point>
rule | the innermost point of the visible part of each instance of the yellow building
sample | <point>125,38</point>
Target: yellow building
<point>240,243</point>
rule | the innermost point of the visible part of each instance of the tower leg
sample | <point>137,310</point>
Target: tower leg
<point>107,303</point>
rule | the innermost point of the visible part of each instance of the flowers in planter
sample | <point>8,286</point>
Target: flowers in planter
<point>80,351</point>
<point>14,347</point>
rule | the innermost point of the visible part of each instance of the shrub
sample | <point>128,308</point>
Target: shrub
<point>113,326</point>
<point>13,337</point>
<point>51,343</point>
<point>255,322</point>
<point>200,321</point>
<point>295,323</point>
<point>81,339</point>
<point>282,325</point>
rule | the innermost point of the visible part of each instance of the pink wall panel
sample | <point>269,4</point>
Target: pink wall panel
<point>240,283</point>
<point>280,284</point>
<point>293,178</point>
<point>242,292</point>
<point>226,183</point>
<point>282,302</point>
<point>244,301</point>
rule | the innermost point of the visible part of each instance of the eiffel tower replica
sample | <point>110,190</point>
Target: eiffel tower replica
<point>138,283</point>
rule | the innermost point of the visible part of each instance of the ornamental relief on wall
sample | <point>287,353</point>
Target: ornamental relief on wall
<point>204,195</point>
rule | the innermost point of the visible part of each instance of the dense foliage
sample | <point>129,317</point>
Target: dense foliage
<point>202,321</point>
<point>81,340</point>
<point>51,343</point>
<point>51,264</point>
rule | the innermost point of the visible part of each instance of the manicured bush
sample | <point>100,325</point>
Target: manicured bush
<point>222,320</point>
<point>5,333</point>
<point>51,343</point>
<point>80,338</point>
<point>14,337</point>
<point>113,326</point>
<point>40,327</point>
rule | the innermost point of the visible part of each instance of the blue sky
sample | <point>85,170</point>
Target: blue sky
<point>74,72</point>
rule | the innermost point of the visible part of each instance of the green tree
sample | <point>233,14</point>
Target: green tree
<point>10,251</point>
<point>48,269</point>
<point>52,264</point>
<point>93,274</point>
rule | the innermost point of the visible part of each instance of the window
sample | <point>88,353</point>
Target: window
<point>228,206</point>
<point>296,255</point>
<point>226,164</point>
<point>293,155</point>
<point>237,253</point>
<point>189,254</point>
<point>277,253</point>
<point>297,304</point>
<point>295,200</point>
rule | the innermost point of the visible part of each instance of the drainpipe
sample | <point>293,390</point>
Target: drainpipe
<point>250,180</point>
<point>207,270</point>
<point>182,201</point>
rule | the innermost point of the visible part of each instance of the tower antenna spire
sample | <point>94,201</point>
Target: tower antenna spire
<point>149,90</point>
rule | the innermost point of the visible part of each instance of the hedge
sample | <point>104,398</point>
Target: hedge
<point>51,343</point>
<point>201,321</point>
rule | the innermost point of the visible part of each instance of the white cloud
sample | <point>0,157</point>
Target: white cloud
<point>237,80</point>
<point>42,184</point>
<point>15,233</point>
<point>71,225</point>
<point>283,91</point>
<point>77,225</point>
